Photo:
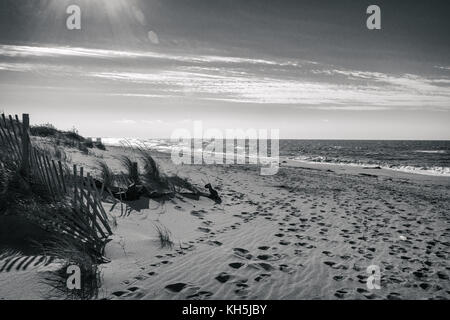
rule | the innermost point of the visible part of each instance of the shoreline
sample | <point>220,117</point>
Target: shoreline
<point>340,167</point>
<point>437,172</point>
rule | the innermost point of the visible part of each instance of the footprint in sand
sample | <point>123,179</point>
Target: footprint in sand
<point>119,293</point>
<point>393,296</point>
<point>330,263</point>
<point>262,266</point>
<point>338,278</point>
<point>327,253</point>
<point>341,293</point>
<point>262,276</point>
<point>223,277</point>
<point>176,287</point>
<point>131,292</point>
<point>236,265</point>
<point>242,253</point>
<point>269,257</point>
<point>201,295</point>
<point>214,243</point>
<point>287,269</point>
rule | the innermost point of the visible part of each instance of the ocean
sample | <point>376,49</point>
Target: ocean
<point>425,157</point>
<point>416,156</point>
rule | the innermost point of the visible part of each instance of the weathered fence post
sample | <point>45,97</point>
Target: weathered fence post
<point>25,165</point>
<point>134,173</point>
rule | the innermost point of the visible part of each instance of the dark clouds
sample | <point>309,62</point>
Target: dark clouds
<point>413,33</point>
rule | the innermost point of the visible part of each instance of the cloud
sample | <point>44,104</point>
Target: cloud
<point>228,79</point>
<point>125,121</point>
<point>153,122</point>
<point>382,92</point>
<point>17,51</point>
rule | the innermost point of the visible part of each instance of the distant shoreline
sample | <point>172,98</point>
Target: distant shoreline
<point>436,171</point>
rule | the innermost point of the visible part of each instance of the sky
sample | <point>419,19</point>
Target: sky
<point>312,69</point>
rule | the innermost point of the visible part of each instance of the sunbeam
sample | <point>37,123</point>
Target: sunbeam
<point>120,23</point>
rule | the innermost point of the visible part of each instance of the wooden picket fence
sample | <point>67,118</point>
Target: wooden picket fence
<point>88,220</point>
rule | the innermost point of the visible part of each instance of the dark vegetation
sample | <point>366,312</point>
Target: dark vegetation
<point>66,138</point>
<point>34,222</point>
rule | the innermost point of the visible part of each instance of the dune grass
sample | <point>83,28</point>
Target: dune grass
<point>71,253</point>
<point>153,177</point>
<point>158,181</point>
<point>164,236</point>
<point>128,165</point>
<point>106,175</point>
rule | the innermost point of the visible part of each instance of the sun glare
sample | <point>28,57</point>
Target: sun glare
<point>120,21</point>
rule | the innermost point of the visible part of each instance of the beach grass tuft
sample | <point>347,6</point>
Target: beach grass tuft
<point>164,236</point>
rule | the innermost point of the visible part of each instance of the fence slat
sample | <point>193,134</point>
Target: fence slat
<point>95,212</point>
<point>101,211</point>
<point>43,172</point>
<point>7,137</point>
<point>14,144</point>
<point>35,167</point>
<point>47,174</point>
<point>25,139</point>
<point>58,178</point>
<point>76,198</point>
<point>88,220</point>
<point>61,173</point>
<point>15,134</point>
<point>52,176</point>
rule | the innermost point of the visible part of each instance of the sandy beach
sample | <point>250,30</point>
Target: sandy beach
<point>308,232</point>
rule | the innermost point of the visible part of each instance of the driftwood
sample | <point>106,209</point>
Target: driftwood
<point>213,194</point>
<point>136,191</point>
